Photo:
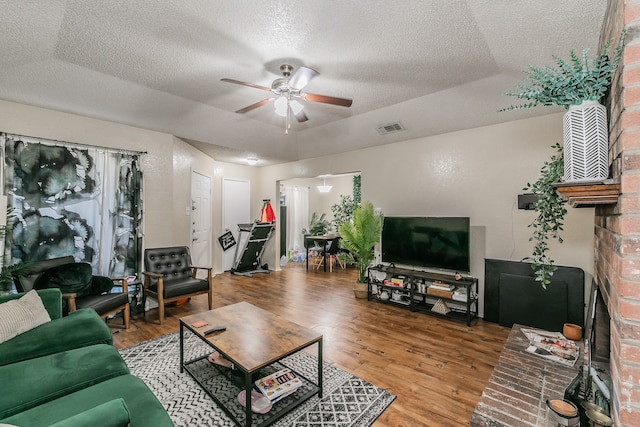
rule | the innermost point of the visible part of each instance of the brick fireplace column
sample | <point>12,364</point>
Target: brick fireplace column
<point>617,227</point>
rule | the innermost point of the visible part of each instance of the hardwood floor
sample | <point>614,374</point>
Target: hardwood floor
<point>437,368</point>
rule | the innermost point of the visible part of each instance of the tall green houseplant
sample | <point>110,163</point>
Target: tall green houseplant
<point>360,236</point>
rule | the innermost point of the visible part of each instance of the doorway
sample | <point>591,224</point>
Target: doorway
<point>201,219</point>
<point>236,209</point>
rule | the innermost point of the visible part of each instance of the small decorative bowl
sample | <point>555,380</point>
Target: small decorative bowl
<point>572,331</point>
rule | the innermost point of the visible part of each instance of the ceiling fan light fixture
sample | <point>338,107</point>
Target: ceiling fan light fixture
<point>296,107</point>
<point>280,106</point>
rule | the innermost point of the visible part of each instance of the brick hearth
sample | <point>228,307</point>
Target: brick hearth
<point>520,385</point>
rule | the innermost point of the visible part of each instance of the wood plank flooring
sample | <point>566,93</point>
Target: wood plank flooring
<point>437,368</point>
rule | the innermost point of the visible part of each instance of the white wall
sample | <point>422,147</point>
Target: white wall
<point>476,173</point>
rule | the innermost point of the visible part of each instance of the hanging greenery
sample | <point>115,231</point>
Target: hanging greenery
<point>550,220</point>
<point>357,189</point>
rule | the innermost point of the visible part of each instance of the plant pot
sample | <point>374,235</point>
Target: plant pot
<point>586,142</point>
<point>361,290</point>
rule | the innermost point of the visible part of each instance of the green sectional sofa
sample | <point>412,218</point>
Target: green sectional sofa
<point>66,372</point>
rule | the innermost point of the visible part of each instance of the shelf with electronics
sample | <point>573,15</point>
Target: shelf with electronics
<point>448,295</point>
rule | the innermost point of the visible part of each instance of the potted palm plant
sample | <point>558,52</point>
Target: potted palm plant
<point>577,84</point>
<point>358,237</point>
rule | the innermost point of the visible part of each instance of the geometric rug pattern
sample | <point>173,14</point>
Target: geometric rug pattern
<point>348,400</point>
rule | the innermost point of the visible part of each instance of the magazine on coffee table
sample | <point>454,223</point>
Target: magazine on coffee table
<point>278,384</point>
<point>552,345</point>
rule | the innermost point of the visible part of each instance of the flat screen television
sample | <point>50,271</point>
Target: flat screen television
<point>433,242</point>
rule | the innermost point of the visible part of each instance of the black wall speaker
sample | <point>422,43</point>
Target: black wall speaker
<point>527,201</point>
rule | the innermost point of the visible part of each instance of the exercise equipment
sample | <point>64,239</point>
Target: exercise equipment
<point>252,238</point>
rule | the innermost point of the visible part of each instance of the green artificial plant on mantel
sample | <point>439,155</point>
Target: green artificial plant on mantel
<point>550,220</point>
<point>579,79</point>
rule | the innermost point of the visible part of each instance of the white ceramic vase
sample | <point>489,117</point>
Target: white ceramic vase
<point>586,142</point>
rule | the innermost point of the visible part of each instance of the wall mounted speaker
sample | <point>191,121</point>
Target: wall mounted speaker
<point>527,201</point>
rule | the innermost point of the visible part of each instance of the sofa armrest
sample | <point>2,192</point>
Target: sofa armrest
<point>113,413</point>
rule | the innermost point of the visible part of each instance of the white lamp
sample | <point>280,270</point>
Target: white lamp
<point>252,161</point>
<point>324,188</point>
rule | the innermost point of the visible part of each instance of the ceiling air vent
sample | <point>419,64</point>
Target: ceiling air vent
<point>391,128</point>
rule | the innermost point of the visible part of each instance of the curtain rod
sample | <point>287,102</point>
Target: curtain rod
<point>75,144</point>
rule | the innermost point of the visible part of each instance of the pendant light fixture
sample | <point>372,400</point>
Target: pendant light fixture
<point>324,188</point>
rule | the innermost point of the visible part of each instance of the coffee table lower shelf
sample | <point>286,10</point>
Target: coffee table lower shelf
<point>223,385</point>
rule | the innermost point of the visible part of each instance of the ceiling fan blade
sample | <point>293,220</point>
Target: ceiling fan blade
<point>254,106</point>
<point>301,116</point>
<point>238,82</point>
<point>314,97</point>
<point>302,77</point>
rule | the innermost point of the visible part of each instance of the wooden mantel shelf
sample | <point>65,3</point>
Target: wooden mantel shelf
<point>589,193</point>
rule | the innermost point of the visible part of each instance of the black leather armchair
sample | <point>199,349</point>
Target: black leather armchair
<point>169,276</point>
<point>80,288</point>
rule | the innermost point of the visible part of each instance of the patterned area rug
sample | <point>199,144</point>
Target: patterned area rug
<point>348,400</point>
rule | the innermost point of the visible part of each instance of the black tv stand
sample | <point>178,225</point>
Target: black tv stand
<point>448,295</point>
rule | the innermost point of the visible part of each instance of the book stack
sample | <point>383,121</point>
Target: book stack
<point>278,385</point>
<point>441,289</point>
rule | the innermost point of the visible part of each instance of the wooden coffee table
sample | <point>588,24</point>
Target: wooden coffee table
<point>253,339</point>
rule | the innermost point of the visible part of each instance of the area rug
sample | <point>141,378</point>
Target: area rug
<point>348,400</point>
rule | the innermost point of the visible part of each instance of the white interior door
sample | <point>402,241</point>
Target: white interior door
<point>236,209</point>
<point>201,220</point>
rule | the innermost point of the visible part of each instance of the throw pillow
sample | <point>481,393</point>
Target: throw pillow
<point>20,315</point>
<point>73,278</point>
<point>100,285</point>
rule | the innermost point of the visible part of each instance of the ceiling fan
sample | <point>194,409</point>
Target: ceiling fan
<point>287,90</point>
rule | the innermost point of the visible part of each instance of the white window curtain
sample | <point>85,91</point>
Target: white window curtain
<point>74,200</point>
<point>297,199</point>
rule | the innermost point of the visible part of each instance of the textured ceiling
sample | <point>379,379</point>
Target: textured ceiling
<point>435,66</point>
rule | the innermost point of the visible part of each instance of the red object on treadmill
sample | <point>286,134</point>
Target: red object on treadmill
<point>267,214</point>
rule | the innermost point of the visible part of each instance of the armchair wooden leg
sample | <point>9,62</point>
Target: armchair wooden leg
<point>210,298</point>
<point>161,309</point>
<point>125,314</point>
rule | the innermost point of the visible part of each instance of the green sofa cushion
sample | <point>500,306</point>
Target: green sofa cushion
<point>144,407</point>
<point>36,381</point>
<point>80,329</point>
<point>21,315</point>
<point>111,414</point>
